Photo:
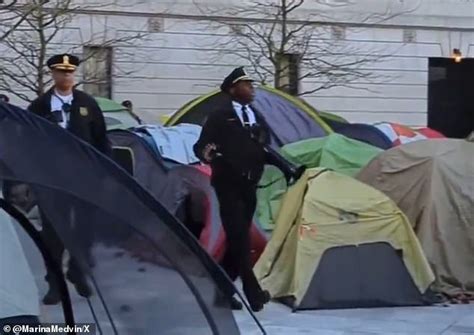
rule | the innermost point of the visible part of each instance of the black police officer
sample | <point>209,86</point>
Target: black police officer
<point>229,143</point>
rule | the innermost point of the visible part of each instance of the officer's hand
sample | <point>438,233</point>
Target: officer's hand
<point>209,152</point>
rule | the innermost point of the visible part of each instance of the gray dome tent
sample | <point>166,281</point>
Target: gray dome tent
<point>125,228</point>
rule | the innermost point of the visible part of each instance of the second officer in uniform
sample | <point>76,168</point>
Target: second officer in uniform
<point>79,113</point>
<point>237,158</point>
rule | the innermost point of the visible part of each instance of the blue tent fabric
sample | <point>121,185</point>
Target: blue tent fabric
<point>286,121</point>
<point>361,132</point>
<point>148,140</point>
<point>151,144</point>
<point>173,143</point>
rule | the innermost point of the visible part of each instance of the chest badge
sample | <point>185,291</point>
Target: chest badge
<point>83,111</point>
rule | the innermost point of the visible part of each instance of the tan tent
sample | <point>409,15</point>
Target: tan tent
<point>432,181</point>
<point>339,243</point>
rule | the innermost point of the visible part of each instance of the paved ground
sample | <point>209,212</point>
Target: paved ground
<point>278,320</point>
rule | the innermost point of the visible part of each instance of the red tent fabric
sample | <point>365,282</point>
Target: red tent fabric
<point>212,236</point>
<point>430,133</point>
<point>400,134</point>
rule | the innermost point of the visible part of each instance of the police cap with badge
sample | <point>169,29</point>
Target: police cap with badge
<point>234,77</point>
<point>291,172</point>
<point>63,62</point>
<point>66,63</point>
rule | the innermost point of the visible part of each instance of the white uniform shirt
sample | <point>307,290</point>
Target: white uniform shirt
<point>250,112</point>
<point>57,102</point>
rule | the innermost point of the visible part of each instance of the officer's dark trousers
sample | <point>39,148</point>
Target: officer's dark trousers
<point>237,203</point>
<point>56,247</point>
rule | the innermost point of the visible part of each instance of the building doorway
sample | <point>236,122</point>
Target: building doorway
<point>451,96</point>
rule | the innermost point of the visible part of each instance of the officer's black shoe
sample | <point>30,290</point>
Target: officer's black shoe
<point>221,301</point>
<point>256,306</point>
<point>83,289</point>
<point>81,285</point>
<point>264,297</point>
<point>52,297</point>
<point>235,304</point>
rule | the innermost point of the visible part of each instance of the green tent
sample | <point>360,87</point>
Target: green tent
<point>335,152</point>
<point>339,243</point>
<point>331,117</point>
<point>109,106</point>
<point>116,116</point>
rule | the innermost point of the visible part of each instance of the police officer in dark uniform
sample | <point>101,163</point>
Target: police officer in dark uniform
<point>232,142</point>
<point>79,113</point>
<point>72,109</point>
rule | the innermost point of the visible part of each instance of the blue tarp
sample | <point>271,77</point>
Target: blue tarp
<point>361,132</point>
<point>174,143</point>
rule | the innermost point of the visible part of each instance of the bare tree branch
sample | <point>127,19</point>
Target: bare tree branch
<point>30,35</point>
<point>284,31</point>
<point>9,20</point>
<point>292,5</point>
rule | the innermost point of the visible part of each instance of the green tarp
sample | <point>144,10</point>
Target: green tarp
<point>335,152</point>
<point>109,106</point>
<point>116,116</point>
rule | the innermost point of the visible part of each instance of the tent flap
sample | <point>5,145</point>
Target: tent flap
<point>97,208</point>
<point>345,278</point>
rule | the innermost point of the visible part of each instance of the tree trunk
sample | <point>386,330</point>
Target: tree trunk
<point>42,53</point>
<point>280,55</point>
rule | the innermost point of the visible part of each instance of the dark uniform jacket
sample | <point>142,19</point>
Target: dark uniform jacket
<point>243,157</point>
<point>86,120</point>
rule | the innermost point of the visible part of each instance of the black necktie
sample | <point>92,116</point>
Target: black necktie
<point>245,117</point>
<point>66,107</point>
